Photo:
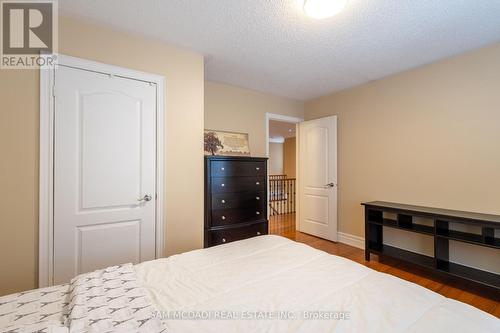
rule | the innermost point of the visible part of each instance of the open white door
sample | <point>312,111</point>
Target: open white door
<point>318,177</point>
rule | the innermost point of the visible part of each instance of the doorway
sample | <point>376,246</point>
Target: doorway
<point>282,166</point>
<point>302,195</point>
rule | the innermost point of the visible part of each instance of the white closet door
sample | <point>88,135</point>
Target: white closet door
<point>104,172</point>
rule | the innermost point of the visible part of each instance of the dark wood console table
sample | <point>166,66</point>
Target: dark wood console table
<point>439,229</point>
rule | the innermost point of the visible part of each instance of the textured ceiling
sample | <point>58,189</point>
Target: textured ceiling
<point>271,46</point>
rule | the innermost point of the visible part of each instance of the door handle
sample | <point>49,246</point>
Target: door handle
<point>146,197</point>
<point>330,185</point>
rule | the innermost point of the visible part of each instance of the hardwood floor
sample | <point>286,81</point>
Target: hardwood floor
<point>480,297</point>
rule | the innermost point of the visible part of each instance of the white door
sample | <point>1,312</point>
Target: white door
<point>318,177</point>
<point>104,171</point>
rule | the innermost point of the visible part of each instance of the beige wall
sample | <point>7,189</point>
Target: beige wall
<point>18,179</point>
<point>19,93</point>
<point>275,158</point>
<point>230,108</point>
<point>429,136</point>
<point>289,157</point>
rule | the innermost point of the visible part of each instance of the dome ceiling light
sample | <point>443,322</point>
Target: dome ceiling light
<point>320,9</point>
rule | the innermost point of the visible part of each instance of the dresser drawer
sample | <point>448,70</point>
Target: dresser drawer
<point>231,169</point>
<point>217,237</point>
<point>251,199</point>
<point>238,184</point>
<point>222,217</point>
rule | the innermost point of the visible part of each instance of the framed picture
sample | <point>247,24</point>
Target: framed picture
<point>226,143</point>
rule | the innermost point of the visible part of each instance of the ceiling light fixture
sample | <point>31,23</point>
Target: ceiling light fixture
<point>320,9</point>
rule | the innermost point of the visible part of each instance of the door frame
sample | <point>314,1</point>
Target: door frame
<point>46,157</point>
<point>292,120</point>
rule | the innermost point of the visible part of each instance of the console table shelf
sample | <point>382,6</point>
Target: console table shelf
<point>439,227</point>
<point>468,238</point>
<point>469,273</point>
<point>422,229</point>
<point>391,251</point>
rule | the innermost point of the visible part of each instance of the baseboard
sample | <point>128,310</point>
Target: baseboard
<point>352,240</point>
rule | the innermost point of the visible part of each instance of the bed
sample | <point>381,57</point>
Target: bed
<point>262,284</point>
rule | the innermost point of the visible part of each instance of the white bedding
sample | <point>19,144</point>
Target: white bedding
<point>107,300</point>
<point>270,275</point>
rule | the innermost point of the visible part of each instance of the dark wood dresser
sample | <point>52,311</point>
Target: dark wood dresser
<point>235,198</point>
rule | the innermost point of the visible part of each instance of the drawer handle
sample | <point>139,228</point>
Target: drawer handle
<point>223,240</point>
<point>257,198</point>
<point>222,169</point>
<point>257,168</point>
<point>223,217</point>
<point>257,183</point>
<point>258,213</point>
<point>258,233</point>
<point>222,185</point>
<point>223,201</point>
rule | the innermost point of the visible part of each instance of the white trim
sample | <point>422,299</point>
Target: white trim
<point>160,167</point>
<point>352,240</point>
<point>285,119</point>
<point>277,140</point>
<point>297,178</point>
<point>46,217</point>
<point>45,210</point>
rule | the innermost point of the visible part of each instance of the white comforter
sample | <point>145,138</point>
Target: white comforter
<point>284,283</point>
